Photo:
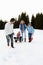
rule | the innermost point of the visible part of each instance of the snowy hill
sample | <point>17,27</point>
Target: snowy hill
<point>23,53</point>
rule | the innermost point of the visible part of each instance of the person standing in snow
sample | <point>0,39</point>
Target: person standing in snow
<point>30,32</point>
<point>9,31</point>
<point>22,27</point>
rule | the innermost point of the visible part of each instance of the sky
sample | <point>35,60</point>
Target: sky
<point>12,8</point>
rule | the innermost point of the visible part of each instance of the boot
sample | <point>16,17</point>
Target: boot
<point>25,40</point>
<point>12,46</point>
<point>15,40</point>
<point>8,44</point>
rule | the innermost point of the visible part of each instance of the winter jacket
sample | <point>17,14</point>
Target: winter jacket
<point>30,29</point>
<point>22,27</point>
<point>18,34</point>
<point>8,28</point>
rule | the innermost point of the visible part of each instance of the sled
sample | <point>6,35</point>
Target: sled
<point>18,39</point>
<point>30,40</point>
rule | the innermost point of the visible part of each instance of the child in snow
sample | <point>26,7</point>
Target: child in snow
<point>22,27</point>
<point>18,38</point>
<point>30,32</point>
<point>9,31</point>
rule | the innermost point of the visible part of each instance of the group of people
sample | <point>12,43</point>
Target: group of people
<point>22,26</point>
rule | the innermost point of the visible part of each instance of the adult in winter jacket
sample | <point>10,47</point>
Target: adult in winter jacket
<point>30,31</point>
<point>9,31</point>
<point>22,27</point>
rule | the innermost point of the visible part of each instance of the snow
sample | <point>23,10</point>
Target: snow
<point>23,53</point>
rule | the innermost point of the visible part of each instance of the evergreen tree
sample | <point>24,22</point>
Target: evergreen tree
<point>24,17</point>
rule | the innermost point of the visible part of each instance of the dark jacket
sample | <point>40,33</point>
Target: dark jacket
<point>22,27</point>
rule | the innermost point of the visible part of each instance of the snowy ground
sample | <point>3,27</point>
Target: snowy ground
<point>23,53</point>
